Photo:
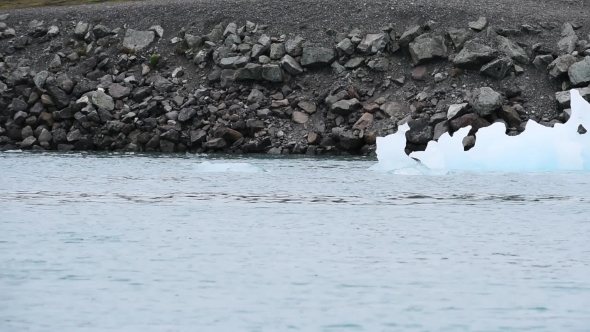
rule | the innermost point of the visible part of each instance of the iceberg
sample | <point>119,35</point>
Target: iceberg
<point>207,167</point>
<point>538,148</point>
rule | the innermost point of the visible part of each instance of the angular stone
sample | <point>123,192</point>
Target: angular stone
<point>564,97</point>
<point>558,69</point>
<point>28,142</point>
<point>40,79</point>
<point>567,44</point>
<point>294,46</point>
<point>193,42</point>
<point>299,117</point>
<point>419,73</point>
<point>345,46</point>
<point>272,73</point>
<point>474,54</point>
<point>420,132</point>
<point>186,114</point>
<point>364,122</point>
<point>163,85</point>
<point>379,64</point>
<point>354,63</point>
<point>579,72</point>
<point>45,136</point>
<point>102,100</point>
<point>373,43</point>
<point>349,141</point>
<point>409,35</point>
<point>456,110</point>
<point>215,144</point>
<point>512,50</point>
<point>479,25</point>
<point>135,40</point>
<point>58,96</point>
<point>308,106</point>
<point>81,30</point>
<point>427,47</point>
<point>315,56</point>
<point>510,116</point>
<point>234,62</point>
<point>474,120</point>
<point>542,61</point>
<point>291,65</point>
<point>251,71</point>
<point>485,100</point>
<point>277,51</point>
<point>118,91</point>
<point>497,68</point>
<point>459,37</point>
<point>228,134</point>
<point>439,129</point>
<point>255,96</point>
<point>346,107</point>
<point>230,29</point>
<point>197,137</point>
<point>395,109</point>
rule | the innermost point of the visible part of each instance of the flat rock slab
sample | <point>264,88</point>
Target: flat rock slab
<point>137,40</point>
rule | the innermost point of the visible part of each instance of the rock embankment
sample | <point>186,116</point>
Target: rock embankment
<point>240,89</point>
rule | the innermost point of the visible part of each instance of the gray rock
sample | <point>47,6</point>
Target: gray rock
<point>59,97</point>
<point>20,117</point>
<point>459,37</point>
<point>485,101</point>
<point>479,25</point>
<point>354,63</point>
<point>135,40</point>
<point>55,63</point>
<point>28,142</point>
<point>186,114</point>
<point>265,41</point>
<point>337,68</point>
<point>579,72</point>
<point>216,34</point>
<point>315,56</point>
<point>567,44</point>
<point>294,46</point>
<point>349,141</point>
<point>118,91</point>
<point>439,129</point>
<point>308,106</point>
<point>263,113</point>
<point>420,132</point>
<point>299,117</point>
<point>394,109</point>
<point>346,107</point>
<point>193,42</point>
<point>84,86</point>
<point>291,65</point>
<point>45,136</point>
<point>427,47</point>
<point>251,71</point>
<point>474,54</point>
<point>81,30</point>
<point>259,50</point>
<point>158,30</point>
<point>234,62</point>
<point>345,46</point>
<point>379,64</point>
<point>53,31</point>
<point>542,61</point>
<point>163,85</point>
<point>277,51</point>
<point>564,97</point>
<point>364,122</point>
<point>512,50</point>
<point>40,79</point>
<point>456,110</point>
<point>558,69</point>
<point>331,99</point>
<point>497,68</point>
<point>65,83</point>
<point>215,144</point>
<point>272,73</point>
<point>409,35</point>
<point>373,43</point>
<point>197,137</point>
<point>231,29</point>
<point>101,31</point>
<point>74,136</point>
<point>170,136</point>
<point>263,59</point>
<point>102,100</point>
<point>255,96</point>
<point>509,115</point>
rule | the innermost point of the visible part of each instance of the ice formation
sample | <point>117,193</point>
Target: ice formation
<point>207,167</point>
<point>538,148</point>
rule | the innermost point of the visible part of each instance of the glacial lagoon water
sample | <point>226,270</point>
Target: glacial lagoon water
<point>118,242</point>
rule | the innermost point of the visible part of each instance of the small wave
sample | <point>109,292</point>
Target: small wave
<point>207,167</point>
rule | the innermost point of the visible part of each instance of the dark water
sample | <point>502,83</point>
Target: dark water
<point>147,243</point>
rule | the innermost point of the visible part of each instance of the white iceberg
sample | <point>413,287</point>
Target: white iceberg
<point>538,148</point>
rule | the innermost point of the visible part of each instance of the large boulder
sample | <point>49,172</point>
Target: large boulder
<point>409,35</point>
<point>459,37</point>
<point>564,97</point>
<point>102,100</point>
<point>251,71</point>
<point>558,69</point>
<point>485,101</point>
<point>135,40</point>
<point>59,97</point>
<point>316,56</point>
<point>294,46</point>
<point>512,50</point>
<point>420,132</point>
<point>567,44</point>
<point>427,47</point>
<point>291,65</point>
<point>272,73</point>
<point>579,72</point>
<point>373,43</point>
<point>474,54</point>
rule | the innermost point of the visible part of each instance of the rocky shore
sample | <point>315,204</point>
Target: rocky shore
<point>240,88</point>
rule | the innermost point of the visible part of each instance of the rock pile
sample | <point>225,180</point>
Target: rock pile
<point>239,89</point>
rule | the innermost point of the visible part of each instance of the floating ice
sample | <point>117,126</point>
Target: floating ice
<point>538,148</point>
<point>207,167</point>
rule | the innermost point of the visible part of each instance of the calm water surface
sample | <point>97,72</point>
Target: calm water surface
<point>154,243</point>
